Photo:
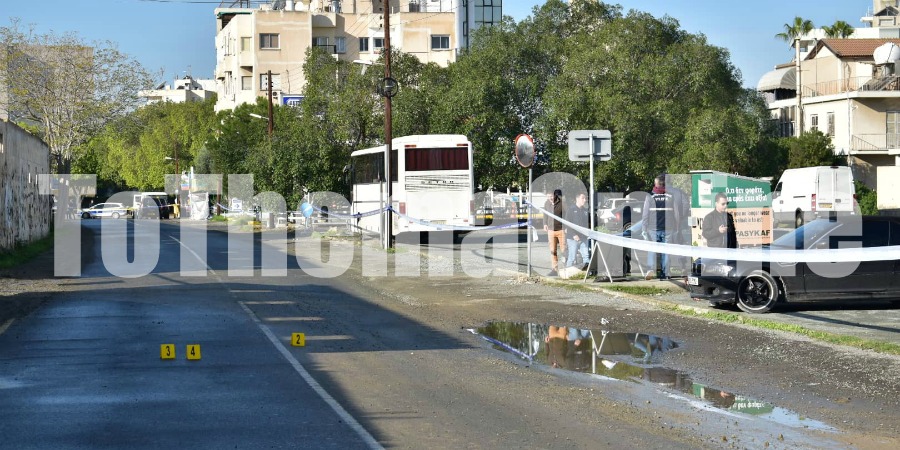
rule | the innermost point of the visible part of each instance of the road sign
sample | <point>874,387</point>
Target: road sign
<point>580,145</point>
<point>524,150</point>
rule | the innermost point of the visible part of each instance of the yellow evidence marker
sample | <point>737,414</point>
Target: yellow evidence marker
<point>193,351</point>
<point>167,351</point>
<point>298,339</point>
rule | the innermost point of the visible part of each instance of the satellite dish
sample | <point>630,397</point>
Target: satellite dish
<point>524,150</point>
<point>886,53</point>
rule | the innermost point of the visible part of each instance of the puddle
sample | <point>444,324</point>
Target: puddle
<point>623,356</point>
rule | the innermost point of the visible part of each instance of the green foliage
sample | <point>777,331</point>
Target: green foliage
<point>24,253</point>
<point>795,29</point>
<point>132,151</point>
<point>840,30</point>
<point>866,198</point>
<point>812,148</point>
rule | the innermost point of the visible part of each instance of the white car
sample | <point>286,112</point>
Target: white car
<point>100,210</point>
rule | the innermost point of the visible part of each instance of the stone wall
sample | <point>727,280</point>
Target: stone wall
<point>25,215</point>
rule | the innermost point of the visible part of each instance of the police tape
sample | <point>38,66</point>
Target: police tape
<point>851,253</point>
<point>348,216</point>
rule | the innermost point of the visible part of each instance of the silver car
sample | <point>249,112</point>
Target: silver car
<point>100,210</point>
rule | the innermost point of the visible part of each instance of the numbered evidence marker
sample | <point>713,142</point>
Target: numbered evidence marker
<point>298,339</point>
<point>167,351</point>
<point>193,351</point>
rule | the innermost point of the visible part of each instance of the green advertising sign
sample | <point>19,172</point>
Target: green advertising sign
<point>742,192</point>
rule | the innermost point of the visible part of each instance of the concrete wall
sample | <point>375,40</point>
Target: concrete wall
<point>24,214</point>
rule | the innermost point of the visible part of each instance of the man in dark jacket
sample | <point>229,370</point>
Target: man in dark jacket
<point>576,242</point>
<point>718,225</point>
<point>662,217</point>
<point>556,235</point>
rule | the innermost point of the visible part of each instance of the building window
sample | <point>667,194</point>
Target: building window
<point>363,44</point>
<point>830,124</point>
<point>340,45</point>
<point>268,40</point>
<point>228,81</point>
<point>488,12</point>
<point>378,43</point>
<point>264,82</point>
<point>246,43</point>
<point>246,83</point>
<point>893,129</point>
<point>814,122</point>
<point>320,41</point>
<point>440,42</point>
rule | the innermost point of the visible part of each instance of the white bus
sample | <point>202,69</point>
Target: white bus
<point>432,180</point>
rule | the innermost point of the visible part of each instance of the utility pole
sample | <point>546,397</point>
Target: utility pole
<point>271,126</point>
<point>799,129</point>
<point>388,138</point>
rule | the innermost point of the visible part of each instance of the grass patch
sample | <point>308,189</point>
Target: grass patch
<point>218,218</point>
<point>637,290</point>
<point>580,287</point>
<point>25,253</point>
<point>831,338</point>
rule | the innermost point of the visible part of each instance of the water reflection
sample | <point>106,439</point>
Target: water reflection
<point>623,356</point>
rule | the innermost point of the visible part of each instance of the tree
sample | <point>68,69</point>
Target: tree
<point>70,88</point>
<point>795,30</point>
<point>812,148</point>
<point>840,30</point>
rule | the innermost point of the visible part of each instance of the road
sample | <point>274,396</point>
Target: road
<point>388,361</point>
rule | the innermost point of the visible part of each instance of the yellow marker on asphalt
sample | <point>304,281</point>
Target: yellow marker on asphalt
<point>298,339</point>
<point>167,351</point>
<point>193,351</point>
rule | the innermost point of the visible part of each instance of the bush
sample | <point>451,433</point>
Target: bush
<point>867,199</point>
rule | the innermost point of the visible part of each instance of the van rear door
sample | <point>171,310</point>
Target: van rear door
<point>834,189</point>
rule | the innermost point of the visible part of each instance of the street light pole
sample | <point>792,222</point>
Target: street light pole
<point>388,138</point>
<point>271,126</point>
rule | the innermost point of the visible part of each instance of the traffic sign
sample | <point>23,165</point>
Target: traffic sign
<point>582,142</point>
<point>524,150</point>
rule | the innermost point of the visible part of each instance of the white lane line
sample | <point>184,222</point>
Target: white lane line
<point>341,412</point>
<point>6,325</point>
<point>323,394</point>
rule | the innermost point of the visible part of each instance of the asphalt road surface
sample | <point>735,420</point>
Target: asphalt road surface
<point>387,360</point>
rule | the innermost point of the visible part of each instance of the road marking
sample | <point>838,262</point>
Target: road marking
<point>6,325</point>
<point>341,412</point>
<point>323,394</point>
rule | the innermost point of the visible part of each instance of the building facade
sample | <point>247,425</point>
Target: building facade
<point>849,89</point>
<point>251,41</point>
<point>186,89</point>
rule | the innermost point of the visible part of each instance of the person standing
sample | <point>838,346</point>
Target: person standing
<point>718,225</point>
<point>577,242</point>
<point>662,216</point>
<point>556,235</point>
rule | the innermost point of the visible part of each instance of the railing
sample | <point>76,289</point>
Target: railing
<point>875,142</point>
<point>856,84</point>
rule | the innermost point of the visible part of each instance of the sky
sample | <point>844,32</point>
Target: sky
<point>176,37</point>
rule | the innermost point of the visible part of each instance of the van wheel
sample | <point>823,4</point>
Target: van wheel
<point>798,219</point>
<point>757,292</point>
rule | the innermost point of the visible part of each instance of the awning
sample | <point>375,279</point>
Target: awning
<point>784,78</point>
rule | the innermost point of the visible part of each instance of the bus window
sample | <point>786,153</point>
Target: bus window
<point>420,159</point>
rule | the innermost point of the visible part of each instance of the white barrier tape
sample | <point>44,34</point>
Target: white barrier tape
<point>745,254</point>
<point>348,216</point>
<point>442,227</point>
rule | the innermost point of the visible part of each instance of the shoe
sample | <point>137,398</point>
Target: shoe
<point>584,267</point>
<point>650,276</point>
<point>664,278</point>
<point>552,274</point>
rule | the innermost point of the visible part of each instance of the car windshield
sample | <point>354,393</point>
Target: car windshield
<point>808,233</point>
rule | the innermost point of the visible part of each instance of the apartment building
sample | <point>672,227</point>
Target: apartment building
<point>251,41</point>
<point>848,89</point>
<point>185,89</point>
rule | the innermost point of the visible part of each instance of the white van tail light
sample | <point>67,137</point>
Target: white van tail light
<point>812,205</point>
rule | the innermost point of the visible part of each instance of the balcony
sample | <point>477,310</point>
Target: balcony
<point>889,83</point>
<point>885,143</point>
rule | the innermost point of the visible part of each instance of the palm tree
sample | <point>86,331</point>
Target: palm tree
<point>793,31</point>
<point>839,30</point>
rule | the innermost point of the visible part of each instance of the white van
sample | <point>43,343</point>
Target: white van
<point>809,192</point>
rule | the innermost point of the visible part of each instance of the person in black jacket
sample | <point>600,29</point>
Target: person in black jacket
<point>718,225</point>
<point>576,241</point>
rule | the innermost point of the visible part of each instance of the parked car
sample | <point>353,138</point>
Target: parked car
<point>619,213</point>
<point>807,193</point>
<point>100,210</point>
<point>759,287</point>
<point>151,207</point>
